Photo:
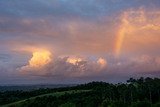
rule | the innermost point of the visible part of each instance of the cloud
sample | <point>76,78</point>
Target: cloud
<point>106,38</point>
<point>143,65</point>
<point>138,32</point>
<point>129,31</point>
<point>85,68</point>
<point>67,66</point>
<point>146,64</point>
<point>102,62</point>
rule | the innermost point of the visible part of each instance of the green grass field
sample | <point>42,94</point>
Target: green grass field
<point>18,103</point>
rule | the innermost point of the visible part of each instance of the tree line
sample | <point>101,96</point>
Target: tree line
<point>142,92</point>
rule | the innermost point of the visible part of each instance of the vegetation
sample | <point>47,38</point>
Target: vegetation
<point>142,92</point>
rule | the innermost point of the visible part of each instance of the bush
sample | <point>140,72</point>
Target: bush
<point>67,105</point>
<point>141,104</point>
<point>156,105</point>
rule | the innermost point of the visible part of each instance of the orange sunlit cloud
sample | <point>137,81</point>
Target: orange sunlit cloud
<point>102,62</point>
<point>137,27</point>
<point>40,58</point>
<point>74,61</point>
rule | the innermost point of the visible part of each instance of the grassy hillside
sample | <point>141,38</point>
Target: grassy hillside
<point>57,94</point>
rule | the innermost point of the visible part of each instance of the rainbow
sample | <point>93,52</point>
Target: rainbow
<point>119,41</point>
<point>120,36</point>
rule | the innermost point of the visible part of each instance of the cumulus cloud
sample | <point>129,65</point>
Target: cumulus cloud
<point>68,66</point>
<point>95,69</point>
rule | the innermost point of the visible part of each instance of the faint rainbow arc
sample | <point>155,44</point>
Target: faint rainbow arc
<point>121,35</point>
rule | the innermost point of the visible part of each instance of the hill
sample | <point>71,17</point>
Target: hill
<point>142,92</point>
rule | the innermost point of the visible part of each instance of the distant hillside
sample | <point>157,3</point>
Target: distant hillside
<point>33,87</point>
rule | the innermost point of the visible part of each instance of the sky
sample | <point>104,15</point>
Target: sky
<point>78,41</point>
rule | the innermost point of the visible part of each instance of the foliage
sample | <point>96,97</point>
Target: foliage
<point>142,92</point>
